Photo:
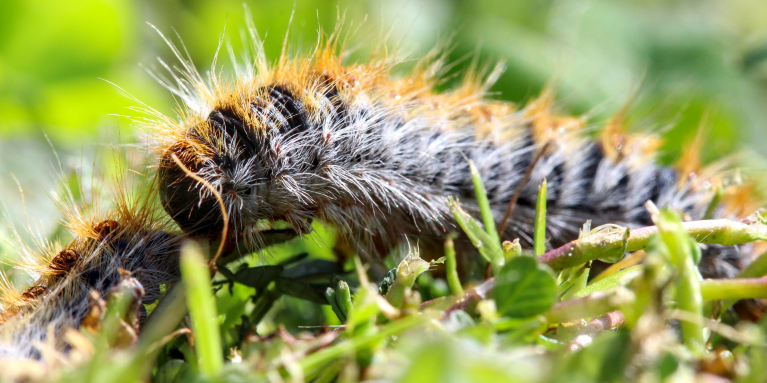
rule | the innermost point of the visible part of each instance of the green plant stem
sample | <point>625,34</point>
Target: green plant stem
<point>610,243</point>
<point>756,269</point>
<point>734,289</point>
<point>451,268</point>
<point>539,232</point>
<point>202,309</point>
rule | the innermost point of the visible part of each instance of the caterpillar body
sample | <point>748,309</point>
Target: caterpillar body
<point>374,157</point>
<point>130,246</point>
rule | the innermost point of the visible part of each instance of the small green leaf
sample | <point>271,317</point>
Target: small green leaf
<point>523,288</point>
<point>487,246</point>
<point>258,277</point>
<point>300,290</point>
<point>620,278</point>
<point>313,268</point>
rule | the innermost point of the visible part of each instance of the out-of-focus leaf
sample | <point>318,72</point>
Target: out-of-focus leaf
<point>620,278</point>
<point>525,332</point>
<point>602,361</point>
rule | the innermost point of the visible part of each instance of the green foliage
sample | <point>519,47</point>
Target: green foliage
<point>526,324</point>
<point>524,288</point>
<point>202,309</point>
<point>531,326</point>
<point>539,232</point>
<point>490,250</point>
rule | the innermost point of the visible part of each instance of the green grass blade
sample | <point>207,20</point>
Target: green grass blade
<point>688,294</point>
<point>451,267</point>
<point>484,204</point>
<point>202,309</point>
<point>539,235</point>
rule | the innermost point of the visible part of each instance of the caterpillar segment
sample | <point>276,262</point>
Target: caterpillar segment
<point>130,249</point>
<point>375,156</point>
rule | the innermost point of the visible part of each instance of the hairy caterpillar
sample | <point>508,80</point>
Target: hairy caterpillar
<point>310,137</point>
<point>130,244</point>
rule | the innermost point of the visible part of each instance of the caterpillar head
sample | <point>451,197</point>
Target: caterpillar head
<point>254,156</point>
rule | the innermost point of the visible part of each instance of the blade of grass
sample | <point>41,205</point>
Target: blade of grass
<point>484,204</point>
<point>688,291</point>
<point>165,317</point>
<point>539,233</point>
<point>631,260</point>
<point>620,278</point>
<point>202,309</point>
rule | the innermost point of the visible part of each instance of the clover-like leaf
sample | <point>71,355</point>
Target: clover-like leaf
<point>523,288</point>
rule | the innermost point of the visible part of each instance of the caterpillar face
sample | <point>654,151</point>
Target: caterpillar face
<point>253,156</point>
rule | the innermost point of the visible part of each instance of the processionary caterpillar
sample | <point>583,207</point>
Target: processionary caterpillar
<point>311,137</point>
<point>314,138</point>
<point>132,245</point>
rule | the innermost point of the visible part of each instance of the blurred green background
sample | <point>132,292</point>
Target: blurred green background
<point>688,58</point>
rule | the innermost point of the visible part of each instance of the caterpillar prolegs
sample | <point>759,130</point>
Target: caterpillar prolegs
<point>310,137</point>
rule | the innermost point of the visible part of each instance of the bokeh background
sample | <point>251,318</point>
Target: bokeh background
<point>688,59</point>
